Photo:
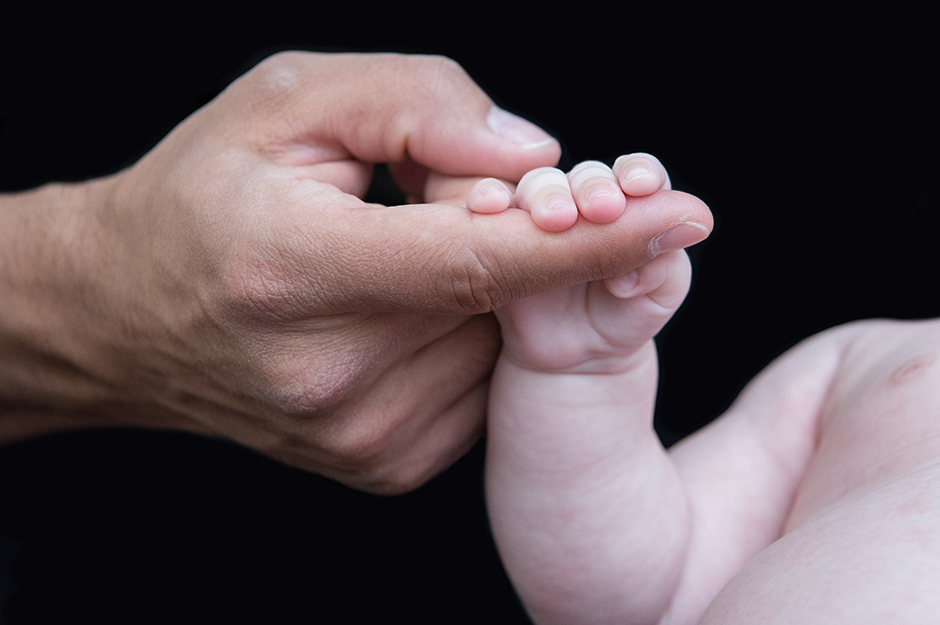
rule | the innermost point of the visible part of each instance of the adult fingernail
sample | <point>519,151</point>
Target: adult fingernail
<point>516,129</point>
<point>678,237</point>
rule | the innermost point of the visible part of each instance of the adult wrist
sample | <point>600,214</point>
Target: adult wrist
<point>54,371</point>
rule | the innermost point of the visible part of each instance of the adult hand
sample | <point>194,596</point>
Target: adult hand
<point>233,282</point>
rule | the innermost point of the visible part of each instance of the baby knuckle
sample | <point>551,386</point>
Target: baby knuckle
<point>591,167</point>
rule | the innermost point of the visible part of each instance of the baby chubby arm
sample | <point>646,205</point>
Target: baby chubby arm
<point>588,512</point>
<point>595,521</point>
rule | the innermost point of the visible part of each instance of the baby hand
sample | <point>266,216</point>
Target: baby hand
<point>592,189</point>
<point>595,327</point>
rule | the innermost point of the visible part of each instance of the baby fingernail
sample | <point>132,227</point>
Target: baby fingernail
<point>516,129</point>
<point>623,286</point>
<point>599,194</point>
<point>678,237</point>
<point>634,173</point>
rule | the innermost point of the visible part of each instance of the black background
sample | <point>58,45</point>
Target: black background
<point>811,136</point>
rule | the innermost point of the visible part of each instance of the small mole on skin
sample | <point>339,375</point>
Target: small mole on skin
<point>911,370</point>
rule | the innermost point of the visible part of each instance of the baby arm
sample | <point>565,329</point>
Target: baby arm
<point>595,521</point>
<point>588,513</point>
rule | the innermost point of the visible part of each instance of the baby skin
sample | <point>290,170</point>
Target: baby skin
<point>814,499</point>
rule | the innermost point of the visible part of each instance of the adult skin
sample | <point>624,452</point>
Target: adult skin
<point>233,282</point>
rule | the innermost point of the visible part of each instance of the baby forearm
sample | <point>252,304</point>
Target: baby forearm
<point>587,510</point>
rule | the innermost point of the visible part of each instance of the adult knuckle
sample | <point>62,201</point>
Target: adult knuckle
<point>313,382</point>
<point>361,450</point>
<point>273,82</point>
<point>398,483</point>
<point>435,76</point>
<point>396,478</point>
<point>277,71</point>
<point>437,66</point>
<point>476,283</point>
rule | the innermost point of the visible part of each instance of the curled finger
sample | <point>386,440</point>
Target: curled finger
<point>597,192</point>
<point>489,195</point>
<point>546,194</point>
<point>641,174</point>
